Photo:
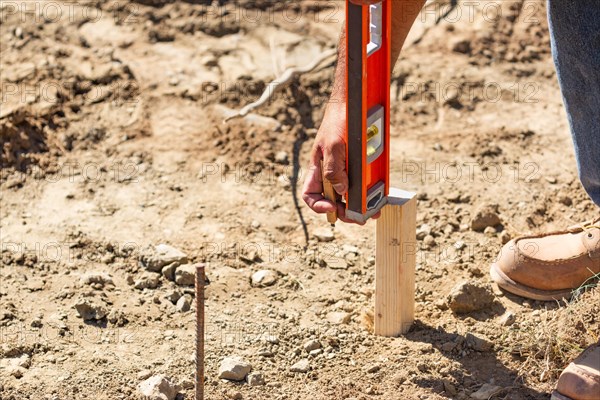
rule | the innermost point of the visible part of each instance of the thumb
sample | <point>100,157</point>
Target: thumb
<point>334,166</point>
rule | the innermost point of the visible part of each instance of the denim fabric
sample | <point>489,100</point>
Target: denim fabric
<point>575,36</point>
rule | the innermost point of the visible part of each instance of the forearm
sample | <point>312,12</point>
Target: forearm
<point>339,89</point>
<point>404,13</point>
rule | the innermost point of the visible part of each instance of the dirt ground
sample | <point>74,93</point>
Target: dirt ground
<point>113,142</point>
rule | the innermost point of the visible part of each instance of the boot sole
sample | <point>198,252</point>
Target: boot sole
<point>558,396</point>
<point>525,291</point>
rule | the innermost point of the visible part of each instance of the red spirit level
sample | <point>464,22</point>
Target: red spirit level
<point>368,44</point>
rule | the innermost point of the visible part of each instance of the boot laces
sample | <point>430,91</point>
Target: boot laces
<point>588,226</point>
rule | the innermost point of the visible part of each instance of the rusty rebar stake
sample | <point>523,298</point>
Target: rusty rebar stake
<point>200,332</point>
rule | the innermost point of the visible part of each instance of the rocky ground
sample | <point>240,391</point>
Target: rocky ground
<point>118,175</point>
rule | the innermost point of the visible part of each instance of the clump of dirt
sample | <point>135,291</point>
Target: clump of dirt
<point>27,141</point>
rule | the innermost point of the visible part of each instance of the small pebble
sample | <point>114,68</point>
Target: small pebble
<point>183,304</point>
<point>234,369</point>
<point>301,366</point>
<point>281,157</point>
<point>338,317</point>
<point>466,297</point>
<point>312,345</point>
<point>507,319</point>
<point>324,234</point>
<point>255,379</point>
<point>158,387</point>
<point>263,278</point>
<point>185,275</point>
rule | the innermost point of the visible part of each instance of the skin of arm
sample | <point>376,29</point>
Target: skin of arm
<point>329,144</point>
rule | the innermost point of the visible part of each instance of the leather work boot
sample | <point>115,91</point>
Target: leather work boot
<point>549,266</point>
<point>581,379</point>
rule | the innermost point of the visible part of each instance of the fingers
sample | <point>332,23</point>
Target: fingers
<point>334,165</point>
<point>313,197</point>
<point>312,192</point>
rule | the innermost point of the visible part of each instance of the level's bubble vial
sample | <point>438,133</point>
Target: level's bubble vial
<point>375,133</point>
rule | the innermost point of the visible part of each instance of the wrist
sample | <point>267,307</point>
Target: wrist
<point>335,108</point>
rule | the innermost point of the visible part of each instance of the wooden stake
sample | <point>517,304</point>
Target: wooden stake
<point>330,194</point>
<point>395,262</point>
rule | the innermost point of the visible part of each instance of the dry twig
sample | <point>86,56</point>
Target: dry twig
<point>287,75</point>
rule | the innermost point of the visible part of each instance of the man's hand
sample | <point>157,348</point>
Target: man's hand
<point>330,147</point>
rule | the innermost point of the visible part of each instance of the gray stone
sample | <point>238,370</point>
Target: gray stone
<point>312,345</point>
<point>302,366</point>
<point>147,281</point>
<point>485,216</point>
<point>428,241</point>
<point>349,249</point>
<point>89,310</point>
<point>459,245</point>
<point>566,200</point>
<point>335,263</point>
<point>486,391</point>
<point>155,258</point>
<point>101,278</point>
<point>324,234</point>
<point>490,231</point>
<point>478,344</point>
<point>117,317</point>
<point>173,295</point>
<point>183,304</point>
<point>284,181</point>
<point>144,374</point>
<point>168,271</point>
<point>255,379</point>
<point>467,297</point>
<point>338,317</point>
<point>235,395</point>
<point>234,369</point>
<point>250,255</point>
<point>372,368</point>
<point>461,46</point>
<point>158,387</point>
<point>185,275</point>
<point>263,278</point>
<point>281,157</point>
<point>36,322</point>
<point>423,231</point>
<point>507,319</point>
